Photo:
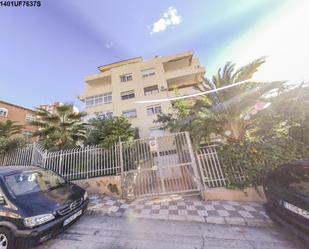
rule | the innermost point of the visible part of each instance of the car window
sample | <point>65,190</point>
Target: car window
<point>299,179</point>
<point>294,178</point>
<point>33,181</point>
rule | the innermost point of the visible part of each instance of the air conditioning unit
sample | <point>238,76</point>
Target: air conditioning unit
<point>163,88</point>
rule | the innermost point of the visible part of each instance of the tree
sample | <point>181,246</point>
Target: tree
<point>8,139</point>
<point>223,112</point>
<point>60,130</point>
<point>9,128</point>
<point>106,132</point>
<point>199,122</point>
<point>286,115</point>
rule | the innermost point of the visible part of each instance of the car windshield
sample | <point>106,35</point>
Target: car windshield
<point>33,181</point>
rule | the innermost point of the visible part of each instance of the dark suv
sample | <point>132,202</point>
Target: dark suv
<point>36,204</point>
<point>287,192</point>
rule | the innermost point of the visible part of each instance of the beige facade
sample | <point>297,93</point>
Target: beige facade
<point>118,86</point>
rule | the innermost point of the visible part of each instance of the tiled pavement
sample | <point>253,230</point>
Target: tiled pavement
<point>179,208</point>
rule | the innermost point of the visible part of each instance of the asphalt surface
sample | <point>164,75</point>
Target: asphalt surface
<point>100,232</point>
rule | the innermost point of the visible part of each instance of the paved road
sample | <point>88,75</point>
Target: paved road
<point>99,232</point>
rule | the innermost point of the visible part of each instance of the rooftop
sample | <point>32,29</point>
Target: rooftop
<point>120,63</point>
<point>18,106</point>
<point>169,58</point>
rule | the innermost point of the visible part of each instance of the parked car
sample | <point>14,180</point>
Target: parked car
<point>287,192</point>
<point>36,204</point>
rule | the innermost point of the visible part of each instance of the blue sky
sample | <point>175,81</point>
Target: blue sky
<point>46,52</point>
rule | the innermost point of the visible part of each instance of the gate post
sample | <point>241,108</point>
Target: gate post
<point>194,165</point>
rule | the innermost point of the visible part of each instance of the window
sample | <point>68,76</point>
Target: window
<point>156,109</point>
<point>99,99</point>
<point>126,77</point>
<point>105,115</point>
<point>29,117</point>
<point>151,90</point>
<point>127,95</point>
<point>148,72</point>
<point>33,181</point>
<point>27,134</point>
<point>156,132</point>
<point>130,113</point>
<point>4,112</point>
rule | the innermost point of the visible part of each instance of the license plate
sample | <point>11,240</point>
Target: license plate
<point>73,217</point>
<point>296,209</point>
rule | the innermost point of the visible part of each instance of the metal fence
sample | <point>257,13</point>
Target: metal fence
<point>212,173</point>
<point>20,157</point>
<point>82,163</point>
<point>79,163</point>
<point>164,162</point>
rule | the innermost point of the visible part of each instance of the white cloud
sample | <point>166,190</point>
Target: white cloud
<point>170,17</point>
<point>109,44</point>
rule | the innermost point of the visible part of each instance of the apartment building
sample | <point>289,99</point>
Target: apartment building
<point>53,107</point>
<point>23,116</point>
<point>117,88</point>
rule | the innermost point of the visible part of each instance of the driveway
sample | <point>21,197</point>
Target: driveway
<point>100,232</point>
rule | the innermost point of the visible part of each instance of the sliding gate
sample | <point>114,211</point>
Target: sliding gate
<point>161,165</point>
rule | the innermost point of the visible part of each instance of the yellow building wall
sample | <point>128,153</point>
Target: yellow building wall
<point>110,82</point>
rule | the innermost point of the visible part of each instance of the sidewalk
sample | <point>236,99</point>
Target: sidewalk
<point>178,208</point>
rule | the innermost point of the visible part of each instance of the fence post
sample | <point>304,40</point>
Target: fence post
<point>32,154</point>
<point>121,158</point>
<point>121,167</point>
<point>60,163</point>
<point>4,159</point>
<point>44,159</point>
<point>194,165</point>
<point>87,161</point>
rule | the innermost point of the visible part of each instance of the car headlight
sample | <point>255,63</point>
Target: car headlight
<point>85,195</point>
<point>38,220</point>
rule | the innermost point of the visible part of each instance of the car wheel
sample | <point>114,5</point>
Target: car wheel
<point>6,239</point>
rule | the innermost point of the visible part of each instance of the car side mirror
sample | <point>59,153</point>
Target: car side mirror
<point>2,200</point>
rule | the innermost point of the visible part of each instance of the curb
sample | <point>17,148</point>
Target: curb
<point>230,221</point>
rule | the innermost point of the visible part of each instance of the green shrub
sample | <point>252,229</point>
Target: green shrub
<point>9,145</point>
<point>258,159</point>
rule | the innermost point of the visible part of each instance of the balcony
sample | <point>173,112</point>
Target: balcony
<point>184,77</point>
<point>101,77</point>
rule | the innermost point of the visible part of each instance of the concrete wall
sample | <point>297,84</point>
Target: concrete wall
<point>223,194</point>
<point>110,185</point>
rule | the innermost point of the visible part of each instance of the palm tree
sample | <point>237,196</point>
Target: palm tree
<point>9,128</point>
<point>60,129</point>
<point>234,103</point>
<point>223,112</point>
